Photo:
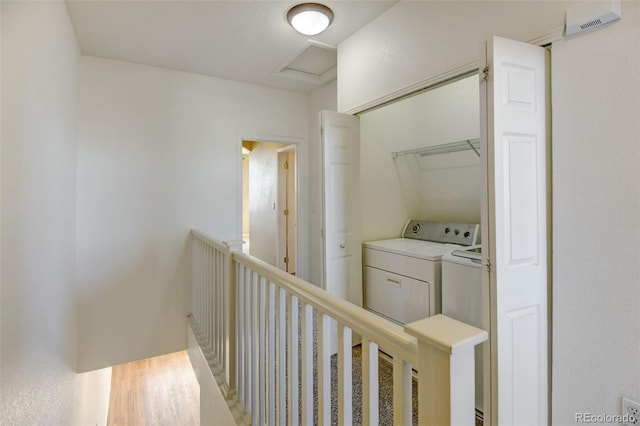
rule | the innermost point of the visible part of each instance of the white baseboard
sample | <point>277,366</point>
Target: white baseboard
<point>214,409</point>
<point>93,398</point>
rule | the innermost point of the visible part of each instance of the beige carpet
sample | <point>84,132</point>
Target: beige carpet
<point>385,387</point>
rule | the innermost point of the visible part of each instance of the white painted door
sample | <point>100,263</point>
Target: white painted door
<point>341,206</point>
<point>515,229</point>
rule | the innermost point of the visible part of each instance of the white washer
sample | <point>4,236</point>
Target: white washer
<point>462,300</point>
<point>402,275</point>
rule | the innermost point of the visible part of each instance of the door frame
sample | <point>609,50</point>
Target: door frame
<point>301,185</point>
<point>281,223</point>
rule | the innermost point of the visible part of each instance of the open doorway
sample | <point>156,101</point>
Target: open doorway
<point>269,202</point>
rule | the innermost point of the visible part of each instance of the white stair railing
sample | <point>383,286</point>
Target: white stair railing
<point>269,337</point>
<point>212,305</point>
<point>276,313</point>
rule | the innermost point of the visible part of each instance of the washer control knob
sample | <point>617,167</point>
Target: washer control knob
<point>466,234</point>
<point>457,231</point>
<point>447,230</point>
<point>415,228</point>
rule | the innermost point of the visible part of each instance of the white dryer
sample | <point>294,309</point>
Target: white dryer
<point>402,275</point>
<point>462,300</point>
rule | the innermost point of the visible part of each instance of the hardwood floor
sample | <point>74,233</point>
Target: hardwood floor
<point>156,391</point>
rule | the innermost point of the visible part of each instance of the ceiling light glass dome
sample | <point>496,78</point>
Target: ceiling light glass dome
<point>310,18</point>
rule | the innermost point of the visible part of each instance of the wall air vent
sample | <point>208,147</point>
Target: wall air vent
<point>588,15</point>
<point>590,24</point>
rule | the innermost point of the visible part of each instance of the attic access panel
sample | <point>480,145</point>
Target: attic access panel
<point>315,63</point>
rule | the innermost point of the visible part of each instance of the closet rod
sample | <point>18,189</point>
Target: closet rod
<point>444,148</point>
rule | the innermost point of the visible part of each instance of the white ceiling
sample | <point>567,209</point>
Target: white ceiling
<point>243,40</point>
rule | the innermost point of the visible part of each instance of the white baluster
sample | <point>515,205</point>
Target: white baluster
<point>255,381</point>
<point>204,301</point>
<point>194,273</point>
<point>196,289</point>
<point>217,310</point>
<point>248,344</point>
<point>217,302</point>
<point>282,357</point>
<point>231,318</point>
<point>306,325</point>
<point>324,369</point>
<point>223,308</point>
<point>271,354</point>
<point>262,370</point>
<point>401,392</point>
<point>241,331</point>
<point>213,303</point>
<point>201,278</point>
<point>370,359</point>
<point>202,297</point>
<point>208,302</point>
<point>222,311</point>
<point>292,347</point>
<point>345,377</point>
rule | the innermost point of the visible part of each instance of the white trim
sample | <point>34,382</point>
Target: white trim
<point>420,85</point>
<point>292,147</point>
<point>318,80</point>
<point>554,35</point>
<point>280,224</point>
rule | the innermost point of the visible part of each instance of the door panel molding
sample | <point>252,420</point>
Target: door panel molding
<point>515,140</point>
<point>342,245</point>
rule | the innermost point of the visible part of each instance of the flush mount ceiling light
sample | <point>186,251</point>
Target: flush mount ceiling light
<point>310,18</point>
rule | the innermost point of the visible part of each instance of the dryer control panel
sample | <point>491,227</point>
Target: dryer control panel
<point>465,234</point>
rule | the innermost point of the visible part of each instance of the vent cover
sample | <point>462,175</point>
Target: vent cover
<point>590,24</point>
<point>588,15</point>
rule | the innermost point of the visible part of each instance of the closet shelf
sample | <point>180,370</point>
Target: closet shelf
<point>444,148</point>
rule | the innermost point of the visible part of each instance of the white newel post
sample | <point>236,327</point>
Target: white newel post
<point>230,364</point>
<point>446,370</point>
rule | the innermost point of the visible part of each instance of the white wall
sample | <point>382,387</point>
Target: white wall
<point>596,249</point>
<point>596,219</point>
<point>443,187</point>
<point>416,41</point>
<point>38,335</point>
<point>158,154</point>
<point>324,98</point>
